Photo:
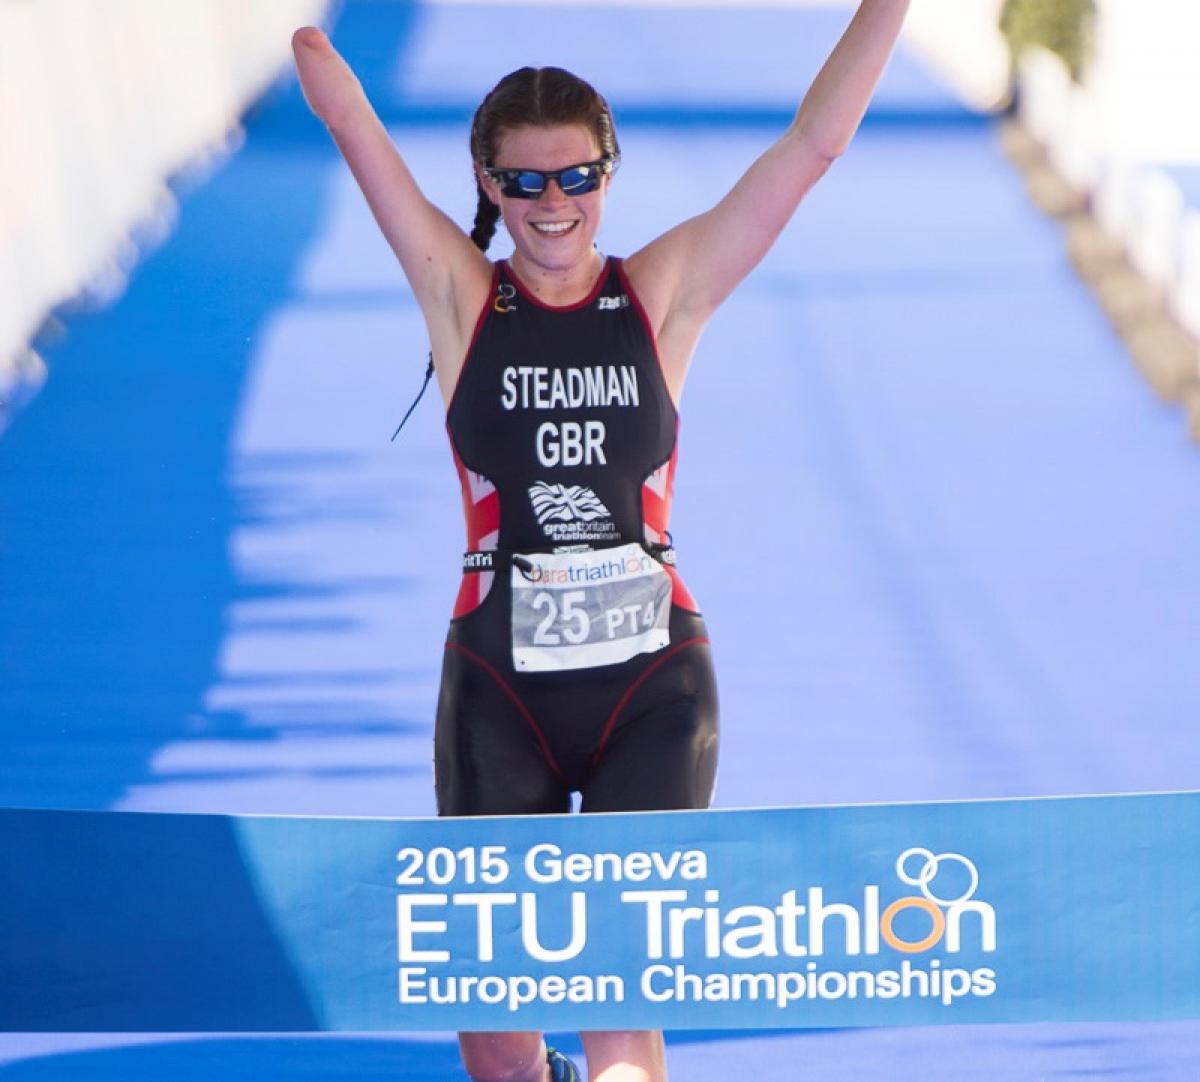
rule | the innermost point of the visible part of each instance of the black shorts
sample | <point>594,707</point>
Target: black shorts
<point>640,735</point>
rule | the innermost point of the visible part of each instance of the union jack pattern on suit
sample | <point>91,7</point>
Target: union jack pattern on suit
<point>481,508</point>
<point>558,503</point>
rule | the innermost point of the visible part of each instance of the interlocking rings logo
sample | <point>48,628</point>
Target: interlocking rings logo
<point>506,298</point>
<point>930,865</point>
<point>920,868</point>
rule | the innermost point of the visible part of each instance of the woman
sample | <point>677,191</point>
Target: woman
<point>576,659</point>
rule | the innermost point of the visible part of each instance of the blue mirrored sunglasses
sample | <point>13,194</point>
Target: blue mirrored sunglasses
<point>530,183</point>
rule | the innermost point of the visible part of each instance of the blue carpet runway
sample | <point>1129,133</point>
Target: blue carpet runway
<point>944,537</point>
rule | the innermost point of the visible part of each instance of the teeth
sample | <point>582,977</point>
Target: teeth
<point>552,227</point>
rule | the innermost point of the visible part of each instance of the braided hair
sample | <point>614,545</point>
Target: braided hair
<point>532,97</point>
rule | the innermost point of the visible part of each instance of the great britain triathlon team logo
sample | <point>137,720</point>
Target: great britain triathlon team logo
<point>559,503</point>
<point>570,512</point>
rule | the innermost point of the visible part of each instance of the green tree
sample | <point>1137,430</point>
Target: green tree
<point>1062,26</point>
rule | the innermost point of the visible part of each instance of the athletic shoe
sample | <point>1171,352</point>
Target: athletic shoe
<point>561,1068</point>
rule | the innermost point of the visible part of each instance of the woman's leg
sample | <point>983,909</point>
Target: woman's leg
<point>504,1057</point>
<point>625,1056</point>
<point>659,753</point>
<point>489,760</point>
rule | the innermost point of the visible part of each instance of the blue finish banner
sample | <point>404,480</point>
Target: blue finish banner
<point>990,911</point>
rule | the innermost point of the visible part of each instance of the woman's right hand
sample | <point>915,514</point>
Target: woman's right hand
<point>330,87</point>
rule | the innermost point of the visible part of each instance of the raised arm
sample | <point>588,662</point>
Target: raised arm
<point>448,274</point>
<point>685,274</point>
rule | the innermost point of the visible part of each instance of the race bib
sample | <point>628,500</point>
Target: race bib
<point>578,610</point>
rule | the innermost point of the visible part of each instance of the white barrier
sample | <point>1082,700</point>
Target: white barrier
<point>1062,117</point>
<point>1113,198</point>
<point>1045,100</point>
<point>1185,301</point>
<point>1156,238</point>
<point>1113,136</point>
<point>106,101</point>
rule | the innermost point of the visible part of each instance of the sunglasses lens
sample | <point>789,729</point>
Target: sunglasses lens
<point>578,180</point>
<point>528,184</point>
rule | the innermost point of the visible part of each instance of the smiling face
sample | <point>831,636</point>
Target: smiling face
<point>554,232</point>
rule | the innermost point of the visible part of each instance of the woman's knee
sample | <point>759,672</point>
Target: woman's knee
<point>626,1056</point>
<point>504,1057</point>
